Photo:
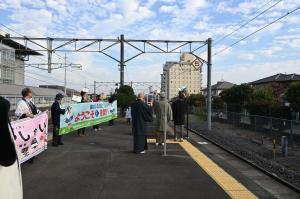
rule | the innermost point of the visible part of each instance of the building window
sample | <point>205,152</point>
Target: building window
<point>7,75</point>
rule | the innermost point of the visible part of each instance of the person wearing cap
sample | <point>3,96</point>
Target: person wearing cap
<point>160,118</point>
<point>56,111</point>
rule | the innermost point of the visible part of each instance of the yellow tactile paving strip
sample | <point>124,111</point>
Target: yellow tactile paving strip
<point>229,184</point>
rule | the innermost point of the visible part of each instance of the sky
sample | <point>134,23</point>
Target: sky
<point>273,50</point>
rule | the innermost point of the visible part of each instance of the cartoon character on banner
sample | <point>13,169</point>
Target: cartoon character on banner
<point>69,116</point>
<point>34,143</point>
<point>112,110</point>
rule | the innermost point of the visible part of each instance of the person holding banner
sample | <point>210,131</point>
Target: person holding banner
<point>10,172</point>
<point>84,99</point>
<point>26,108</point>
<point>141,114</point>
<point>56,111</point>
<point>97,127</point>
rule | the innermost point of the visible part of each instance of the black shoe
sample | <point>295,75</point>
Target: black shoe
<point>60,143</point>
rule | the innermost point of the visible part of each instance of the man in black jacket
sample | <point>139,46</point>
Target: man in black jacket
<point>179,108</point>
<point>141,114</point>
<point>56,111</point>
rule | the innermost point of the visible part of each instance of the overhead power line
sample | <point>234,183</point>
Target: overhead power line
<point>258,30</point>
<point>8,28</point>
<point>249,21</point>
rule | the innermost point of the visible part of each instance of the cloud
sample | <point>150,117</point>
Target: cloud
<point>271,50</point>
<point>247,56</point>
<point>244,73</point>
<point>37,27</point>
<point>165,19</point>
<point>168,8</point>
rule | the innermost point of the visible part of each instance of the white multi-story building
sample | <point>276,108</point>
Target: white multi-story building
<point>12,57</point>
<point>184,73</point>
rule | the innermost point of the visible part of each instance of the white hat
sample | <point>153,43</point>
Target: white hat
<point>86,90</point>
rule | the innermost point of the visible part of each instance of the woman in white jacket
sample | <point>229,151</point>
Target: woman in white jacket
<point>10,174</point>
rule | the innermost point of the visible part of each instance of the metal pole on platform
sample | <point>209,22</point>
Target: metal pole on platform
<point>209,44</point>
<point>165,118</point>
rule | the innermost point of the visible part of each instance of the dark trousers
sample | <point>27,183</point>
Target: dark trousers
<point>81,131</point>
<point>181,128</point>
<point>140,143</point>
<point>96,126</point>
<point>56,136</point>
<point>111,122</point>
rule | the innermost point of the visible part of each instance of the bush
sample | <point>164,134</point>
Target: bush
<point>261,102</point>
<point>197,100</point>
<point>292,95</point>
<point>218,103</point>
<point>236,97</point>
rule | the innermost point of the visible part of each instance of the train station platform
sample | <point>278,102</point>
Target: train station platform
<point>102,165</point>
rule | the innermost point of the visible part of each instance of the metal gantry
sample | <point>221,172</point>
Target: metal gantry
<point>52,45</point>
<point>132,84</point>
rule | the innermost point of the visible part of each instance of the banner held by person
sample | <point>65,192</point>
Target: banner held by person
<point>30,136</point>
<point>82,115</point>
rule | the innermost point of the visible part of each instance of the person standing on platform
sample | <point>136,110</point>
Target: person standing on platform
<point>141,114</point>
<point>97,127</point>
<point>10,172</point>
<point>56,111</point>
<point>179,108</point>
<point>111,122</point>
<point>26,109</point>
<point>128,115</point>
<point>160,118</point>
<point>84,99</point>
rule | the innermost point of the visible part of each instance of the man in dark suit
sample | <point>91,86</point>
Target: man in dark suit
<point>56,111</point>
<point>179,108</point>
<point>141,114</point>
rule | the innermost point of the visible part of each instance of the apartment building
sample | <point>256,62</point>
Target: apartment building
<point>182,73</point>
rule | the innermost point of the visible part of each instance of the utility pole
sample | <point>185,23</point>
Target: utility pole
<point>65,85</point>
<point>122,62</point>
<point>49,52</point>
<point>209,44</point>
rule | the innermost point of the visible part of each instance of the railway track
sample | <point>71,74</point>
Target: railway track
<point>242,158</point>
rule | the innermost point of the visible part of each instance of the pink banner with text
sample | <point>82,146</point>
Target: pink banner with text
<point>30,136</point>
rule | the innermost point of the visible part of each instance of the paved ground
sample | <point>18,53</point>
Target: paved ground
<point>102,165</point>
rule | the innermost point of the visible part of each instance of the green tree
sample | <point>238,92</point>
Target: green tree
<point>197,100</point>
<point>237,96</point>
<point>261,102</point>
<point>217,103</point>
<point>292,95</point>
<point>125,96</point>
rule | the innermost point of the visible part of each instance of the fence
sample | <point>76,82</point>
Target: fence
<point>253,122</point>
<point>271,143</point>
